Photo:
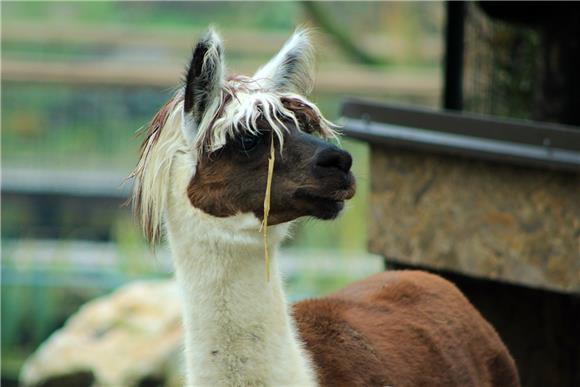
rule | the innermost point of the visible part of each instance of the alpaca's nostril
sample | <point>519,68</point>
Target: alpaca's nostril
<point>334,158</point>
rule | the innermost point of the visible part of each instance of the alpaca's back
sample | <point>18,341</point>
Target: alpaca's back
<point>402,328</point>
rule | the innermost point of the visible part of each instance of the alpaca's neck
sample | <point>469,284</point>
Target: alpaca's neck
<point>238,328</point>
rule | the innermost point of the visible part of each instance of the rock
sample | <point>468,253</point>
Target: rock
<point>132,337</point>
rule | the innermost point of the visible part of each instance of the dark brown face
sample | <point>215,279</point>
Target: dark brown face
<point>311,177</point>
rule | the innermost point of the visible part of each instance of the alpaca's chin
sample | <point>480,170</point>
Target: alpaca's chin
<point>324,204</point>
<point>329,209</point>
<point>321,207</point>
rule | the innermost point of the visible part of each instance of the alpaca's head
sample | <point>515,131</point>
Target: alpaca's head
<point>219,130</point>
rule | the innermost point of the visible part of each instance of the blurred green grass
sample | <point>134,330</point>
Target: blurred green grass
<point>251,14</point>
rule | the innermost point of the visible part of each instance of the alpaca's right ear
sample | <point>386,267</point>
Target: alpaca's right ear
<point>204,79</point>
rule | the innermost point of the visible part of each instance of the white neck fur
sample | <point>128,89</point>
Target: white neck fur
<point>237,325</point>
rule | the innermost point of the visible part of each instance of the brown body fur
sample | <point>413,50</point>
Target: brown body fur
<point>402,328</point>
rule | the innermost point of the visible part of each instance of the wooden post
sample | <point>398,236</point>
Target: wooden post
<point>454,33</point>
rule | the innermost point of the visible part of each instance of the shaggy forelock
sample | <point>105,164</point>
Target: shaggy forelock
<point>242,103</point>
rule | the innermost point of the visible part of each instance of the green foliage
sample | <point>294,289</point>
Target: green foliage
<point>256,15</point>
<point>52,125</point>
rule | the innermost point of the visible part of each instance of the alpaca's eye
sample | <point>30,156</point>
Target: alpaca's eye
<point>249,142</point>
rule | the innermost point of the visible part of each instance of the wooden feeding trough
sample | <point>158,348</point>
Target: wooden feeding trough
<point>494,206</point>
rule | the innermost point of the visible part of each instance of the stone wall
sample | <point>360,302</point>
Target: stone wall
<point>490,220</point>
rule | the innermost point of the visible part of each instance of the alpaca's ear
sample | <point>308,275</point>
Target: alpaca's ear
<point>292,69</point>
<point>204,79</point>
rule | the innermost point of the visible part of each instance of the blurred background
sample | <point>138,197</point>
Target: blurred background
<point>79,79</point>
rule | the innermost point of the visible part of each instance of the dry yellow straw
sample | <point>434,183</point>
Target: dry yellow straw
<point>267,207</point>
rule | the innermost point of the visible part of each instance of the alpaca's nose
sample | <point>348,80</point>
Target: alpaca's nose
<point>333,157</point>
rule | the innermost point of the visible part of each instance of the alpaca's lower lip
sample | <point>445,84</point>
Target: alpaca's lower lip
<point>315,197</point>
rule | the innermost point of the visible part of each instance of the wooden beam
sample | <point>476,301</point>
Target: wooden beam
<point>347,79</point>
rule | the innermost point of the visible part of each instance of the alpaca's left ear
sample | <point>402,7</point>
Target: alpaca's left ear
<point>292,69</point>
<point>204,79</point>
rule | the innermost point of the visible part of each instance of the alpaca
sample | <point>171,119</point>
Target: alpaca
<point>201,181</point>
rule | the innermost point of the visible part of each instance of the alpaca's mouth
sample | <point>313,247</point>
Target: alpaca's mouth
<point>337,192</point>
<point>324,205</point>
<point>335,196</point>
